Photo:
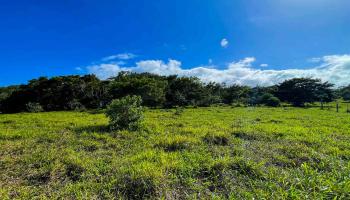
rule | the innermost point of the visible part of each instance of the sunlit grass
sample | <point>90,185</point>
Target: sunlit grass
<point>218,152</point>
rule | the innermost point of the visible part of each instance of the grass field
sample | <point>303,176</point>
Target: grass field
<point>203,153</point>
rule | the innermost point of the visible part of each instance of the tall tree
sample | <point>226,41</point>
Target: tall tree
<point>150,87</point>
<point>299,91</point>
<point>184,91</point>
<point>345,93</point>
<point>235,93</point>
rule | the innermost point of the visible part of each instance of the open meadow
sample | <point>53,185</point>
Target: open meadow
<point>197,153</point>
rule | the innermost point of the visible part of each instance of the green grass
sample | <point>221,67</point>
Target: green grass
<point>203,153</point>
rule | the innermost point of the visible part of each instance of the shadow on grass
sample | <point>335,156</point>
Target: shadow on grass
<point>96,111</point>
<point>93,129</point>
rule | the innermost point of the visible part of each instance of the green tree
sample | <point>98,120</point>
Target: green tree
<point>235,93</point>
<point>150,87</point>
<point>299,91</point>
<point>212,94</point>
<point>57,93</point>
<point>184,91</point>
<point>345,93</point>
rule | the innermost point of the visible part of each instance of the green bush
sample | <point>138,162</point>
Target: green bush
<point>34,107</point>
<point>125,113</point>
<point>270,100</point>
<point>273,101</point>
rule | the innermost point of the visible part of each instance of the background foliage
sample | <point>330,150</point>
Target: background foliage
<point>88,92</point>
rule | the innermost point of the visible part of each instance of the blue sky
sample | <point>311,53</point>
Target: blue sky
<point>243,41</point>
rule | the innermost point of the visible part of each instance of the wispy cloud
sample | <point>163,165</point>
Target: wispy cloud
<point>224,43</point>
<point>335,69</point>
<point>315,60</point>
<point>122,56</point>
<point>264,65</point>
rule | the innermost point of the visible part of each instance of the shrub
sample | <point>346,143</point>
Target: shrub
<point>273,101</point>
<point>270,100</point>
<point>34,107</point>
<point>125,113</point>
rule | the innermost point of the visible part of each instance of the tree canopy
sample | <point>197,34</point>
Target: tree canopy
<point>345,93</point>
<point>299,91</point>
<point>80,92</point>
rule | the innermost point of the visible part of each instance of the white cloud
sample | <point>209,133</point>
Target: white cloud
<point>315,60</point>
<point>264,65</point>
<point>335,69</point>
<point>122,56</point>
<point>78,69</point>
<point>104,71</point>
<point>118,62</point>
<point>224,43</point>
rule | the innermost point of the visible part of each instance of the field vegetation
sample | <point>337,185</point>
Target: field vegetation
<point>89,92</point>
<point>193,153</point>
<point>144,136</point>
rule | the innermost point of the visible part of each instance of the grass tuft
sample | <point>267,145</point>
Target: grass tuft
<point>216,139</point>
<point>176,143</point>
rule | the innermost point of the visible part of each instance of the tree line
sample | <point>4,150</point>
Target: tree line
<point>89,92</point>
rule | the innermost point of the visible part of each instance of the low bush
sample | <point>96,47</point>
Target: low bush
<point>125,113</point>
<point>273,102</point>
<point>270,100</point>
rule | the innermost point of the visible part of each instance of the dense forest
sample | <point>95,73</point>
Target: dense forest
<point>89,92</point>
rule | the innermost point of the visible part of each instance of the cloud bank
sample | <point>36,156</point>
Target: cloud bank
<point>335,69</point>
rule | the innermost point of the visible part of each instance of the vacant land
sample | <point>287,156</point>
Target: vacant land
<point>217,152</point>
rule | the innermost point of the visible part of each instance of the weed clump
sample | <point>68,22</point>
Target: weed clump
<point>245,136</point>
<point>176,143</point>
<point>89,146</point>
<point>125,113</point>
<point>73,170</point>
<point>215,169</point>
<point>40,177</point>
<point>140,181</point>
<point>137,187</point>
<point>179,111</point>
<point>247,168</point>
<point>216,139</point>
